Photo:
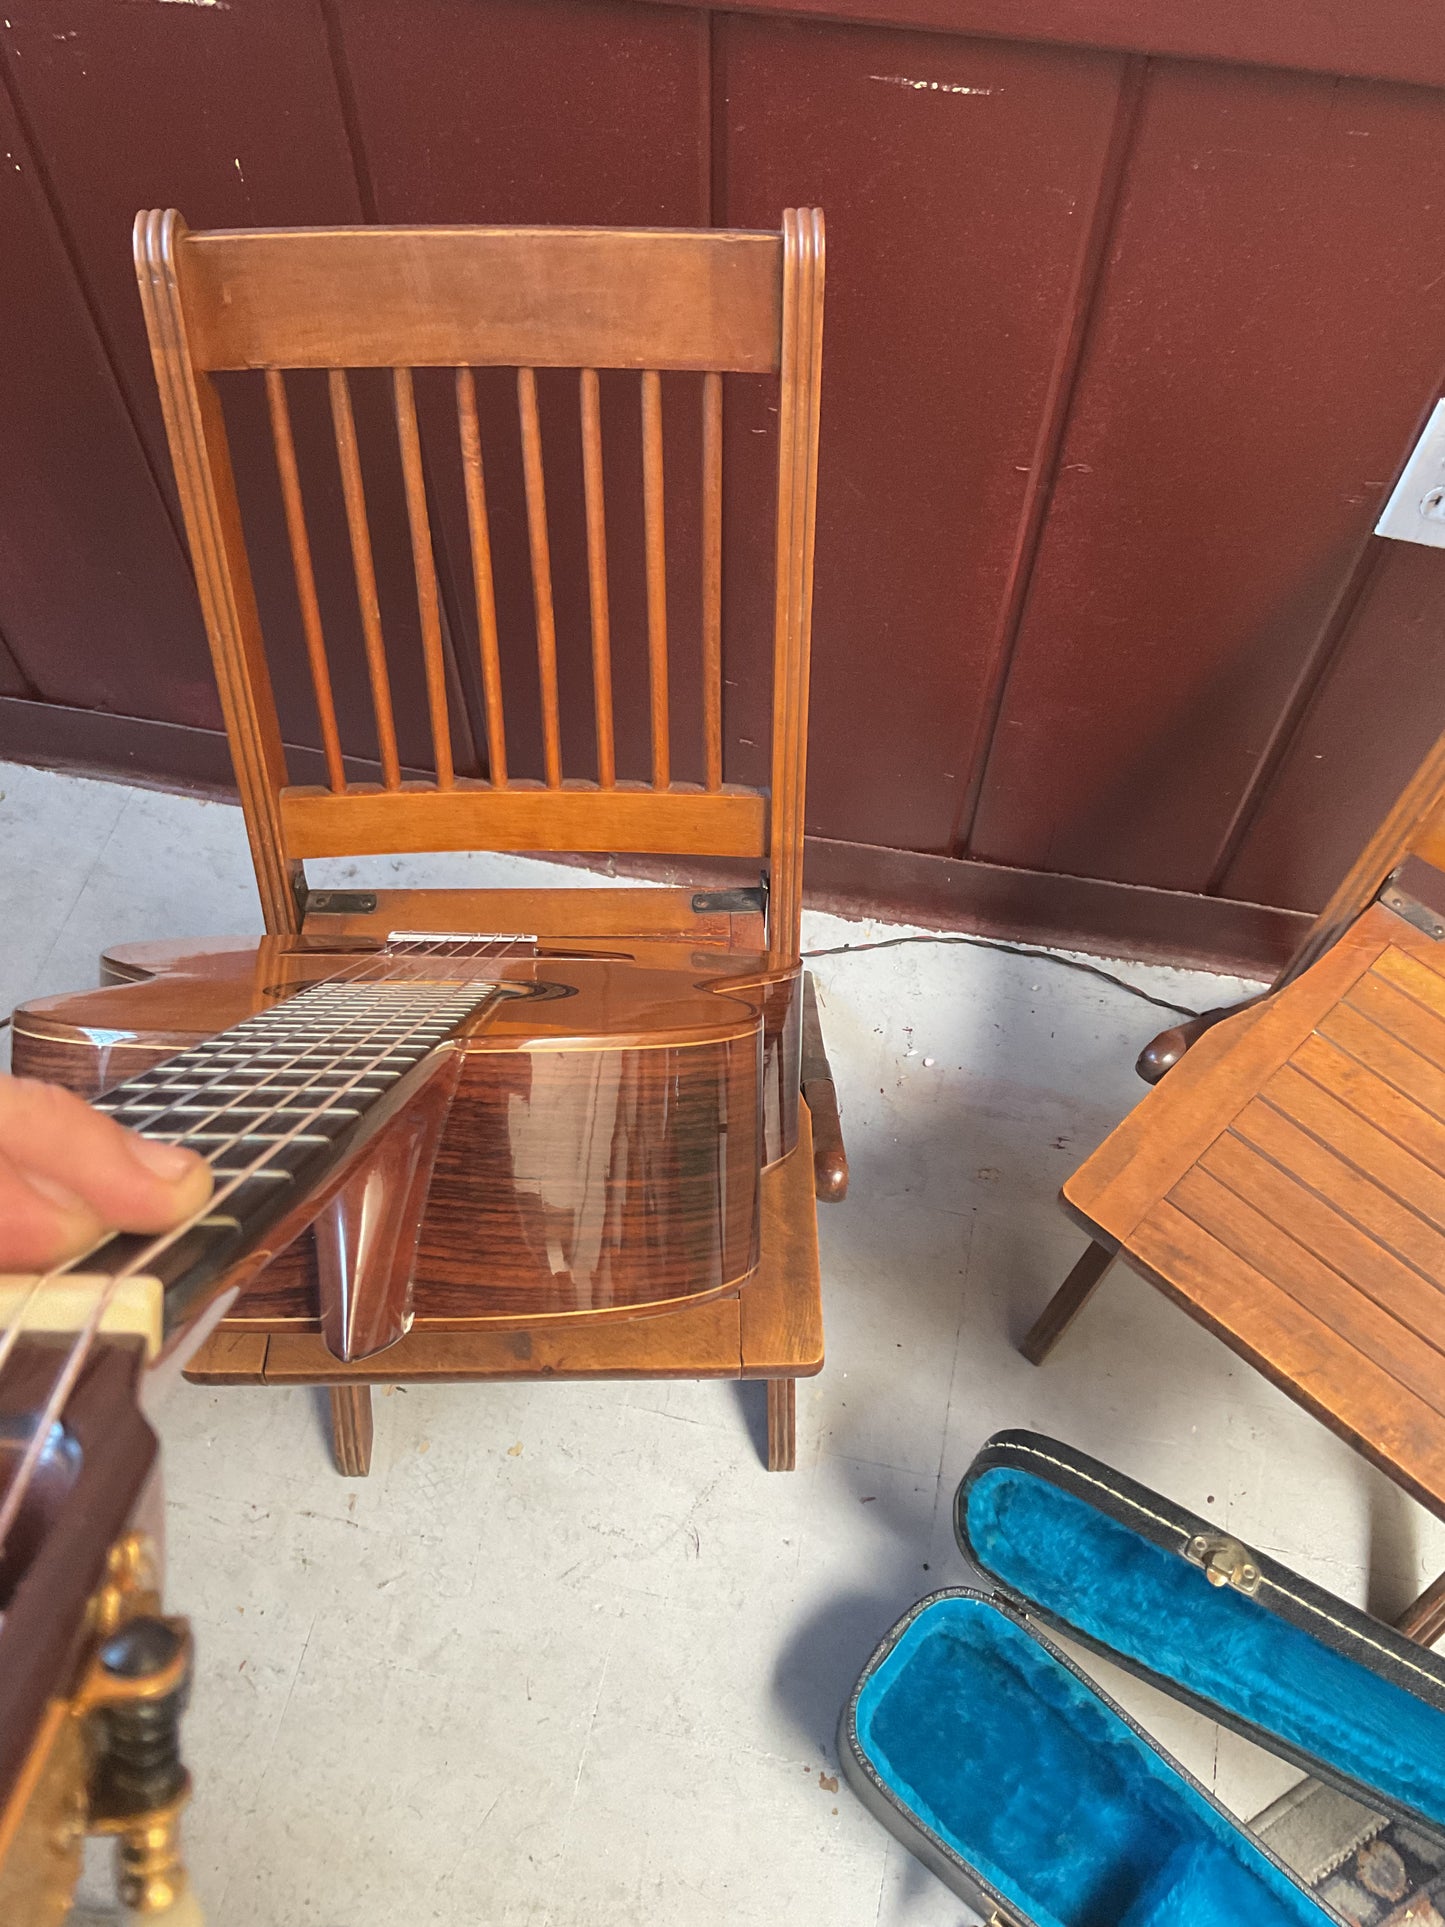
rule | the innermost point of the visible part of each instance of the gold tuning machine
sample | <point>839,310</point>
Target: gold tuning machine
<point>108,1761</point>
<point>133,1698</point>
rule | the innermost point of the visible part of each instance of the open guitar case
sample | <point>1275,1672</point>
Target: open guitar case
<point>1035,1797</point>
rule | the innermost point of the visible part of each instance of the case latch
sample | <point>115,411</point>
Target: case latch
<point>1225,1561</point>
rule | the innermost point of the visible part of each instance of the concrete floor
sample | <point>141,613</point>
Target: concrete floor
<point>570,1656</point>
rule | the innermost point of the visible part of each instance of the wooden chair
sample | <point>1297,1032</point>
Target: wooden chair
<point>472,302</point>
<point>1285,1183</point>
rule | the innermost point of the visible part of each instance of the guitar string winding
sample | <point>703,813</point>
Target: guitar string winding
<point>76,1357</point>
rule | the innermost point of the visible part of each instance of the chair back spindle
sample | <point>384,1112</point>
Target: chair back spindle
<point>712,479</point>
<point>539,544</point>
<point>348,455</point>
<point>652,500</point>
<point>479,534</point>
<point>591,413</point>
<point>305,573</point>
<point>428,595</point>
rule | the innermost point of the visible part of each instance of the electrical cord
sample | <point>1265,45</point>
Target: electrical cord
<point>1010,950</point>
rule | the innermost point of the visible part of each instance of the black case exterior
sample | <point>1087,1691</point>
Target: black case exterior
<point>956,1873</point>
<point>1354,1634</point>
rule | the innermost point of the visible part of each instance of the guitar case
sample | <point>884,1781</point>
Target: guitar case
<point>1034,1796</point>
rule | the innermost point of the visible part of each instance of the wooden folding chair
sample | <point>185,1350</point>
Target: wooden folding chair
<point>657,305</point>
<point>1285,1183</point>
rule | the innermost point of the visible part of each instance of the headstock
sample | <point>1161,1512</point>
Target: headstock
<point>92,1680</point>
<point>328,1097</point>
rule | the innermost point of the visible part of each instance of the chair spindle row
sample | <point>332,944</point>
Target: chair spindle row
<point>428,592</point>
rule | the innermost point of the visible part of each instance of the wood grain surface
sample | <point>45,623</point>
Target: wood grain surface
<point>771,1328</point>
<point>1285,1184</point>
<point>1072,247</point>
<point>604,1147</point>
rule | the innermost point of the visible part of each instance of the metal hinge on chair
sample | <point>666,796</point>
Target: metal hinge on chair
<point>341,903</point>
<point>1420,916</point>
<point>740,902</point>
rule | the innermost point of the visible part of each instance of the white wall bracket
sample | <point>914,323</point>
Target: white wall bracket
<point>1415,511</point>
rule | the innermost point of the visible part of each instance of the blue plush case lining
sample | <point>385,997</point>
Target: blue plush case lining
<point>974,1730</point>
<point>1145,1603</point>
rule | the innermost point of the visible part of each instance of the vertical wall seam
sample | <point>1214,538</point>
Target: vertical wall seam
<point>1085,301</point>
<point>28,692</point>
<point>34,155</point>
<point>715,106</point>
<point>1309,683</point>
<point>467,713</point>
<point>715,150</point>
<point>350,116</point>
<point>1338,621</point>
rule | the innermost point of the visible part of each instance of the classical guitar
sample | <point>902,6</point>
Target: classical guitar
<point>527,1127</point>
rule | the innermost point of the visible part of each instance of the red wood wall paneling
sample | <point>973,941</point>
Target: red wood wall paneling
<point>956,223</point>
<point>1123,350</point>
<point>458,107</point>
<point>1374,713</point>
<point>230,115</point>
<point>1236,422</point>
<point>95,597</point>
<point>1388,40</point>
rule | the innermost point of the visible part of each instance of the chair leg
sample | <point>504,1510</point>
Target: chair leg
<point>351,1429</point>
<point>1424,1621</point>
<point>1066,1304</point>
<point>782,1424</point>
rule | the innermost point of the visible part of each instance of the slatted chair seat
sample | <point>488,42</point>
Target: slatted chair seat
<point>1285,1184</point>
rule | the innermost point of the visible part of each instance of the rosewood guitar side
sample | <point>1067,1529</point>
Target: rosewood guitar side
<point>604,1148</point>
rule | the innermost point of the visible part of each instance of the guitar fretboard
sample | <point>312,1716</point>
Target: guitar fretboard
<point>273,1102</point>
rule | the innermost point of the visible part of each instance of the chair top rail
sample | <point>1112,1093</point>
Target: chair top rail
<point>358,297</point>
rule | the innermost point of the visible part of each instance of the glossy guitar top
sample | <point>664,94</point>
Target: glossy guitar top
<point>601,1156</point>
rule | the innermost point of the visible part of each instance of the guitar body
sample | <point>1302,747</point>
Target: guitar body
<point>606,1136</point>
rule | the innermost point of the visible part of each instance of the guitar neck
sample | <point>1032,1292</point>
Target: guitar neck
<point>278,1105</point>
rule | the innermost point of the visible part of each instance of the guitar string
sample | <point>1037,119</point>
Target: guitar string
<point>368,970</point>
<point>75,1359</point>
<point>352,974</point>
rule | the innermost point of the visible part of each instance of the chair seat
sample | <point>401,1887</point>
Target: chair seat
<point>1285,1185</point>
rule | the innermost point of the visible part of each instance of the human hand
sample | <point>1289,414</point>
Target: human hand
<point>69,1175</point>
